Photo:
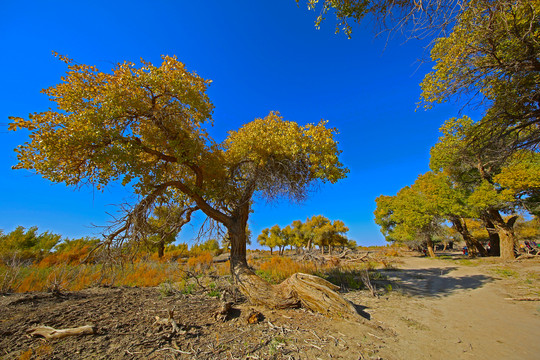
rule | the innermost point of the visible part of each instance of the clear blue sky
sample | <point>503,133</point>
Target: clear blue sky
<point>262,56</point>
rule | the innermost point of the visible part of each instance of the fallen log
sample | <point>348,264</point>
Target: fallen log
<point>50,333</point>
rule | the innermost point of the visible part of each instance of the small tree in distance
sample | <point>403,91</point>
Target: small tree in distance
<point>317,230</point>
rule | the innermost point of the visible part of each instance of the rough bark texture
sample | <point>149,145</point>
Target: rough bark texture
<point>506,234</point>
<point>308,291</point>
<point>494,240</point>
<point>508,244</point>
<point>305,290</point>
<point>474,246</point>
<point>161,248</point>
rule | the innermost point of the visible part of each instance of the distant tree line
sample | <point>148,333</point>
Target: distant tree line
<point>316,231</point>
<point>27,246</point>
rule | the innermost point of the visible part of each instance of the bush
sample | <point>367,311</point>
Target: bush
<point>279,268</point>
<point>201,263</point>
<point>210,245</point>
<point>26,245</point>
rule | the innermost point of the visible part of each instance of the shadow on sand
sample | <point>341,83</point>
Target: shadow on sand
<point>434,282</point>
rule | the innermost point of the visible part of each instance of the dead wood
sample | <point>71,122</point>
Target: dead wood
<point>308,291</point>
<point>364,276</point>
<point>319,295</point>
<point>50,333</point>
<point>524,299</point>
<point>169,321</point>
<point>222,313</point>
<point>254,317</point>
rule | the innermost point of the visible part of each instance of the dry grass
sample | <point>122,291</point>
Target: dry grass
<point>64,272</point>
<point>277,268</point>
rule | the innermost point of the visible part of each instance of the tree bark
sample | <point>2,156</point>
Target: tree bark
<point>431,252</point>
<point>473,244</point>
<point>494,239</point>
<point>506,234</point>
<point>161,248</point>
<point>305,290</point>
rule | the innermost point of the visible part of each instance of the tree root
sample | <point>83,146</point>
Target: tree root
<point>299,290</point>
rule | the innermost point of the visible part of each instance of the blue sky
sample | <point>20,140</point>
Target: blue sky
<point>261,56</point>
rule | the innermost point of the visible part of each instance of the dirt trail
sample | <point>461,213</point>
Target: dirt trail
<point>451,311</point>
<point>430,309</point>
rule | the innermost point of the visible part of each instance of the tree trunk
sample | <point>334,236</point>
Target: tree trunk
<point>494,239</point>
<point>473,244</point>
<point>505,230</point>
<point>161,248</point>
<point>508,244</point>
<point>431,252</point>
<point>298,290</point>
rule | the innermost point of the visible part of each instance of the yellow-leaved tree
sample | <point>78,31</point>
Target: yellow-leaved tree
<point>146,126</point>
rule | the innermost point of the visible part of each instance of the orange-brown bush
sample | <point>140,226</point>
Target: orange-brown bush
<point>200,263</point>
<point>77,277</point>
<point>279,268</point>
<point>70,256</point>
<point>169,256</point>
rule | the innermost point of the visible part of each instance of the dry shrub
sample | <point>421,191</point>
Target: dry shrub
<point>143,274</point>
<point>223,269</point>
<point>169,256</point>
<point>71,256</point>
<point>9,277</point>
<point>88,276</point>
<point>279,268</point>
<point>392,252</point>
<point>33,280</point>
<point>334,262</point>
<point>201,263</point>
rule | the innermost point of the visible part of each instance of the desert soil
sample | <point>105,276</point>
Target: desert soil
<point>426,309</point>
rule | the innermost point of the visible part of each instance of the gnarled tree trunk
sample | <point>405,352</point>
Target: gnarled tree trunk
<point>429,243</point>
<point>507,237</point>
<point>305,290</point>
<point>494,239</point>
<point>161,248</point>
<point>473,244</point>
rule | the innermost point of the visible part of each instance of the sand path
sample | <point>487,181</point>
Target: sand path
<point>451,311</point>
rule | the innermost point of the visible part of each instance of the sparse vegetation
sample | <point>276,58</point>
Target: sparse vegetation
<point>505,272</point>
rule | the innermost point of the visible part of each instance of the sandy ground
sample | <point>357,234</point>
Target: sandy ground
<point>427,309</point>
<point>452,311</point>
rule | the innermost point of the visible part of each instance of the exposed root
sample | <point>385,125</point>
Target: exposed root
<point>308,291</point>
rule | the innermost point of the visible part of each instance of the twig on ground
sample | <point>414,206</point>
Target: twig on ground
<point>174,350</point>
<point>524,299</point>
